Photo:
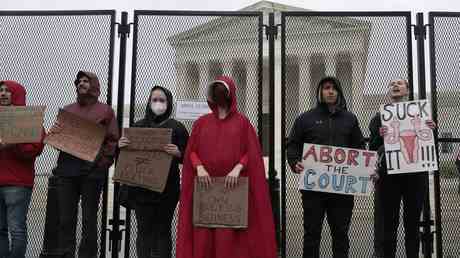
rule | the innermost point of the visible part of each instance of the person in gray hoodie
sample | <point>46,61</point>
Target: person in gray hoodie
<point>329,123</point>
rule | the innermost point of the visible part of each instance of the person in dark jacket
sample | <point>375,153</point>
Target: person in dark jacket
<point>329,123</point>
<point>80,179</point>
<point>154,210</point>
<point>17,172</point>
<point>391,189</point>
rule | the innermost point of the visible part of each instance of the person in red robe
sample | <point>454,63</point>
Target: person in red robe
<point>224,144</point>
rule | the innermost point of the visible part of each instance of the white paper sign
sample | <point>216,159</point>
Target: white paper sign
<point>191,110</point>
<point>409,143</point>
<point>337,170</point>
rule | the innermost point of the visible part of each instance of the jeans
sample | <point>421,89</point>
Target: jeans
<point>338,209</point>
<point>14,205</point>
<point>70,190</point>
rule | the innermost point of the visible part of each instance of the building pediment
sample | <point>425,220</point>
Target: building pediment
<point>234,28</point>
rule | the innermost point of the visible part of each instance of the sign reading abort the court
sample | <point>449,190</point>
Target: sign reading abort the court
<point>337,170</point>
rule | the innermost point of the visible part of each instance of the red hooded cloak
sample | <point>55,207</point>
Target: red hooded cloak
<point>219,145</point>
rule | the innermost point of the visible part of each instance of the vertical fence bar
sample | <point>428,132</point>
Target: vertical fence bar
<point>434,101</point>
<point>283,135</point>
<point>116,222</point>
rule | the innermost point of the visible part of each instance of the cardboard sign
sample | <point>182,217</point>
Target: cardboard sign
<point>219,207</point>
<point>21,124</point>
<point>191,110</point>
<point>79,137</point>
<point>337,170</point>
<point>409,143</point>
<point>143,162</point>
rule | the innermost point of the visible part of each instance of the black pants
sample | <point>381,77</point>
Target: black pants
<point>154,227</point>
<point>70,191</point>
<point>378,223</point>
<point>338,209</point>
<point>411,189</point>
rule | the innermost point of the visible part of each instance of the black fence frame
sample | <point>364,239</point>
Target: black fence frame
<point>115,234</point>
<point>434,100</point>
<point>138,13</point>
<point>407,15</point>
<point>111,13</point>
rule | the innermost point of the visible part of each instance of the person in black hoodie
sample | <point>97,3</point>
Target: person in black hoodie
<point>329,123</point>
<point>391,189</point>
<point>154,210</point>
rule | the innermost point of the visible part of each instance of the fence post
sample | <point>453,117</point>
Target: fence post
<point>115,234</point>
<point>420,36</point>
<point>434,102</point>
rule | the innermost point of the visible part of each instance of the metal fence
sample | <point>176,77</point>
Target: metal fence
<point>44,51</point>
<point>184,52</point>
<point>445,92</point>
<point>364,51</point>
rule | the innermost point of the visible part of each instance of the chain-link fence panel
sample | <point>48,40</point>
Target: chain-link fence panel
<point>364,51</point>
<point>445,93</point>
<point>44,51</point>
<point>184,52</point>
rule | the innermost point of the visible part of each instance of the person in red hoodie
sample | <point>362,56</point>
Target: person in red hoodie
<point>17,172</point>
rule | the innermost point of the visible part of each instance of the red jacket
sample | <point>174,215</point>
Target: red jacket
<point>17,162</point>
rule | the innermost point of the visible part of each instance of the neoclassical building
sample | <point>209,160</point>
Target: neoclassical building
<point>229,45</point>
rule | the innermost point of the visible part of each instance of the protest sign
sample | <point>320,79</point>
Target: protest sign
<point>409,143</point>
<point>221,207</point>
<point>191,110</point>
<point>144,163</point>
<point>21,124</point>
<point>78,136</point>
<point>337,170</point>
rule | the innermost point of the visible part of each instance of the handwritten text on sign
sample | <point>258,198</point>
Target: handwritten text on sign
<point>79,137</point>
<point>409,143</point>
<point>337,170</point>
<point>220,207</point>
<point>21,124</point>
<point>143,162</point>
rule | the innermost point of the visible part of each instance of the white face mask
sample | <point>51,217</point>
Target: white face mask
<point>158,108</point>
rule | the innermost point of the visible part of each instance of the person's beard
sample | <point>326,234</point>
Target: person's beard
<point>85,98</point>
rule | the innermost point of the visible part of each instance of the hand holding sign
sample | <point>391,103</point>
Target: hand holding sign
<point>4,145</point>
<point>123,142</point>
<point>299,168</point>
<point>203,176</point>
<point>231,180</point>
<point>172,150</point>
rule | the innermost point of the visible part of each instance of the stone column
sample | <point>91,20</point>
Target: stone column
<point>330,60</point>
<point>358,67</point>
<point>203,68</point>
<point>305,89</point>
<point>252,91</point>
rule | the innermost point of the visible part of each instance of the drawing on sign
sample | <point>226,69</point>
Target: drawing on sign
<point>409,143</point>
